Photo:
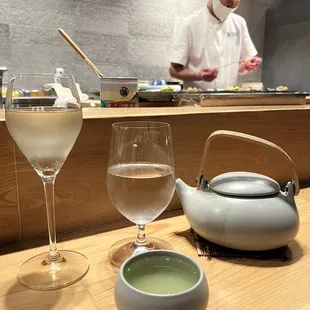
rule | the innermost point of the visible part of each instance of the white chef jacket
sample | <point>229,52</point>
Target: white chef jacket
<point>201,41</point>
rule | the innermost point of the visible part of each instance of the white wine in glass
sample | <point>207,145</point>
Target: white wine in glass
<point>140,181</point>
<point>46,134</point>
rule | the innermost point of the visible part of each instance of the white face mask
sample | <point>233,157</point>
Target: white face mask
<point>221,11</point>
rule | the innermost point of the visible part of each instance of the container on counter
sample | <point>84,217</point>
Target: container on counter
<point>158,83</point>
<point>37,93</point>
<point>253,86</point>
<point>119,92</point>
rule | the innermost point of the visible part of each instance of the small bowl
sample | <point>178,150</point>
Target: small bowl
<point>160,279</point>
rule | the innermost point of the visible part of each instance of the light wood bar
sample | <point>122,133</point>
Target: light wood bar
<point>82,201</point>
<point>238,284</point>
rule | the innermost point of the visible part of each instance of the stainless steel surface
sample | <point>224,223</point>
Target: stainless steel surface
<point>153,96</point>
<point>117,89</point>
<point>237,95</point>
<point>256,94</point>
<point>196,96</point>
<point>121,78</point>
<point>34,101</point>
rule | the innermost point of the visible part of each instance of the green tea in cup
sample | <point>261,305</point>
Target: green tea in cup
<point>161,279</point>
<point>161,275</point>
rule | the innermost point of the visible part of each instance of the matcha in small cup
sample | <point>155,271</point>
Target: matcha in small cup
<point>161,279</point>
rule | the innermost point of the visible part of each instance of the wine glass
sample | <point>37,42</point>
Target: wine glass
<point>45,121</point>
<point>140,181</point>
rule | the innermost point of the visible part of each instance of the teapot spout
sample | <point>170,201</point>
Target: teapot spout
<point>183,190</point>
<point>181,187</point>
<point>191,201</point>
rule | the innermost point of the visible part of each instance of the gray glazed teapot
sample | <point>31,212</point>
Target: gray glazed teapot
<point>242,210</point>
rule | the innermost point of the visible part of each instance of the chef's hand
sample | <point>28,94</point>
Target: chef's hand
<point>208,74</point>
<point>252,63</point>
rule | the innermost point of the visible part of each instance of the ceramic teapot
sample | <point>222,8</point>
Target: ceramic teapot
<point>242,210</point>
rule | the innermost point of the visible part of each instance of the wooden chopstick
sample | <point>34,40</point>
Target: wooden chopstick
<point>79,51</point>
<point>230,64</point>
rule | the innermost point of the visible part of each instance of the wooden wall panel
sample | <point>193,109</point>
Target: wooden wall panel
<point>81,196</point>
<point>9,211</point>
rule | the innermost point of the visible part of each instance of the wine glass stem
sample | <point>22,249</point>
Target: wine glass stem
<point>49,183</point>
<point>141,238</point>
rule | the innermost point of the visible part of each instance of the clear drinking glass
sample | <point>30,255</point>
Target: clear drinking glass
<point>45,125</point>
<point>140,181</point>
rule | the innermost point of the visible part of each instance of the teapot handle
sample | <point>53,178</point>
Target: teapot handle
<point>253,139</point>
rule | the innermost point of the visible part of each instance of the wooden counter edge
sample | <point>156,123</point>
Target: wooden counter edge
<point>93,113</point>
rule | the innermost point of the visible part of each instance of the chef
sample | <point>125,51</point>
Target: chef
<point>212,47</point>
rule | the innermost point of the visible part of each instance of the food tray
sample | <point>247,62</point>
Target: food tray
<point>253,99</point>
<point>244,98</point>
<point>168,96</point>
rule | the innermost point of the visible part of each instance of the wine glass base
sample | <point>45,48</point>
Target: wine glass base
<point>36,274</point>
<point>123,249</point>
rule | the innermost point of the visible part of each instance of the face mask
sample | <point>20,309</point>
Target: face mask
<point>221,11</point>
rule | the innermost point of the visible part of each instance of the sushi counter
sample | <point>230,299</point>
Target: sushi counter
<point>82,201</point>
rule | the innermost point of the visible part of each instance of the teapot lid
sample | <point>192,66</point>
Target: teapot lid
<point>244,184</point>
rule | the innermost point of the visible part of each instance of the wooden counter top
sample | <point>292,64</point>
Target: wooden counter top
<point>90,113</point>
<point>93,113</point>
<point>234,284</point>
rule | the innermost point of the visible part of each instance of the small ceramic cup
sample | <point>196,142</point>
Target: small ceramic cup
<point>161,279</point>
